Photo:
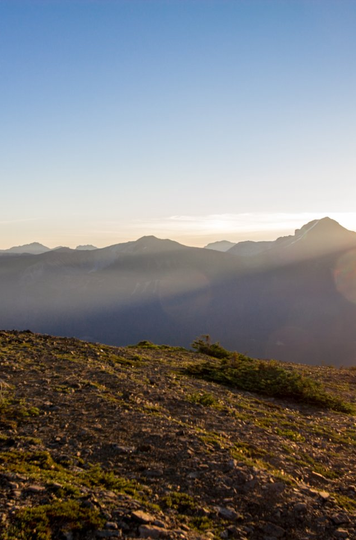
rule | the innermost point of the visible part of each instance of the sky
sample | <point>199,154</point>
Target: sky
<point>195,120</point>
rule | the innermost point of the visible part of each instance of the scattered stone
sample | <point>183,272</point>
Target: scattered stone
<point>300,507</point>
<point>35,489</point>
<point>275,487</point>
<point>188,452</point>
<point>153,473</point>
<point>324,495</point>
<point>227,513</point>
<point>111,525</point>
<point>316,476</point>
<point>143,517</point>
<point>341,533</point>
<point>274,530</point>
<point>340,518</point>
<point>159,523</point>
<point>193,475</point>
<point>151,531</point>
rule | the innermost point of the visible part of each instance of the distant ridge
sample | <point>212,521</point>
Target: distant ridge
<point>221,245</point>
<point>294,300</point>
<point>318,237</point>
<point>35,248</point>
<point>87,247</point>
<point>146,244</point>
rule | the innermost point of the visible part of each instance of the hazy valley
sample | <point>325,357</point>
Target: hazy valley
<point>292,299</point>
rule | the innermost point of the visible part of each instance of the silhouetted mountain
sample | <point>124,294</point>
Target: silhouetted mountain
<point>33,248</point>
<point>248,248</point>
<point>319,237</point>
<point>87,247</point>
<point>221,245</point>
<point>300,307</point>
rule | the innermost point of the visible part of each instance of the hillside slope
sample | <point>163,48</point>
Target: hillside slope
<point>106,442</point>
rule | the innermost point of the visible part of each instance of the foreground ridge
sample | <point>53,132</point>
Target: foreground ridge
<point>105,442</point>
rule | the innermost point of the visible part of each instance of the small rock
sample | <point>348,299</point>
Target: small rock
<point>111,525</point>
<point>274,530</point>
<point>340,518</point>
<point>142,517</point>
<point>341,533</point>
<point>159,523</point>
<point>35,489</point>
<point>227,513</point>
<point>123,449</point>
<point>154,473</point>
<point>193,475</point>
<point>316,476</point>
<point>276,487</point>
<point>300,507</point>
<point>324,495</point>
<point>151,531</point>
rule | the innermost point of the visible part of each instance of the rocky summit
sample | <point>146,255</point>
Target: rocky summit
<point>152,441</point>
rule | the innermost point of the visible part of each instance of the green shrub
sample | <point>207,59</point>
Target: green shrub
<point>268,378</point>
<point>46,521</point>
<point>204,346</point>
<point>181,502</point>
<point>205,399</point>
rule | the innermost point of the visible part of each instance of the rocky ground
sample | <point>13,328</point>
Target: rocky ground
<point>107,442</point>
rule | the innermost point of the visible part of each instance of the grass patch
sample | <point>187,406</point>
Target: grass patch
<point>45,522</point>
<point>268,378</point>
<point>15,410</point>
<point>205,399</point>
<point>97,477</point>
<point>290,434</point>
<point>181,502</point>
<point>241,449</point>
<point>145,344</point>
<point>201,523</point>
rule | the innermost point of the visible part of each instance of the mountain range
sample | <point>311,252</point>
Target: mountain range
<point>293,299</point>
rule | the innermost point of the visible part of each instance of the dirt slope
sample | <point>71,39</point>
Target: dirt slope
<point>104,442</point>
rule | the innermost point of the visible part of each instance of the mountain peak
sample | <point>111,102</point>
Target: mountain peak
<point>35,248</point>
<point>324,225</point>
<point>220,245</point>
<point>324,235</point>
<point>146,244</point>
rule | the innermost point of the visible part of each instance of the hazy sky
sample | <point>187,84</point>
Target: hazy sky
<point>196,120</point>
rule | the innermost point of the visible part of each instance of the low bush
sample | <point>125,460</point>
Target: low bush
<point>266,377</point>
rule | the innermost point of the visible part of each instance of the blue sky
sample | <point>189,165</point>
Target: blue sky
<point>194,120</point>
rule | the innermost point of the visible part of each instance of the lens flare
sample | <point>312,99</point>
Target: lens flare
<point>345,275</point>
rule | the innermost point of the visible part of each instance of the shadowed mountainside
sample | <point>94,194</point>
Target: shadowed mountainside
<point>106,442</point>
<point>295,301</point>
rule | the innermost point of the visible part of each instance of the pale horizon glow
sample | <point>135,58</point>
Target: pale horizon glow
<point>196,231</point>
